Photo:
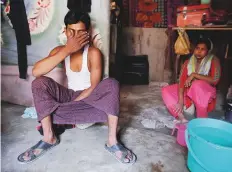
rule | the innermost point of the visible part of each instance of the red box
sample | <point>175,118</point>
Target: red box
<point>191,15</point>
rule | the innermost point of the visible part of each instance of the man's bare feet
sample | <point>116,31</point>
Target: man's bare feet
<point>50,138</point>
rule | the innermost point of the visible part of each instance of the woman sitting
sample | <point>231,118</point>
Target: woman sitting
<point>196,89</point>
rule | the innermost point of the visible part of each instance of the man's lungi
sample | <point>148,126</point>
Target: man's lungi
<point>51,98</point>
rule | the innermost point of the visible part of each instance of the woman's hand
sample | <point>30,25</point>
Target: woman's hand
<point>189,80</point>
<point>178,108</point>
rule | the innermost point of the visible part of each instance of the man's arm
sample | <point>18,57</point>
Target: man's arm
<point>47,64</point>
<point>94,56</point>
<point>74,43</point>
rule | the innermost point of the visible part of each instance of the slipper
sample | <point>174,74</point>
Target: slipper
<point>41,145</point>
<point>119,147</point>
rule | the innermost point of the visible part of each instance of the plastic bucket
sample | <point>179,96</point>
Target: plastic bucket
<point>180,139</point>
<point>209,142</point>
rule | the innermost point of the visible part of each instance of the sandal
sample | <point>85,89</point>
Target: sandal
<point>125,153</point>
<point>30,153</point>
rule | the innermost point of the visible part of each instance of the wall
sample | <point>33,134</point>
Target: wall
<point>17,90</point>
<point>149,41</point>
<point>43,43</point>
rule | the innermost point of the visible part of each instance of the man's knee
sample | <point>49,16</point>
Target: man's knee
<point>112,83</point>
<point>40,82</point>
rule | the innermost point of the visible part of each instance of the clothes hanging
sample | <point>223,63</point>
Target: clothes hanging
<point>19,21</point>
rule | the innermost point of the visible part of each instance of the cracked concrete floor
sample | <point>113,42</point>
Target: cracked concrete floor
<point>83,150</point>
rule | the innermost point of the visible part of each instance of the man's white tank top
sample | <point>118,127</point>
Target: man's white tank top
<point>78,80</point>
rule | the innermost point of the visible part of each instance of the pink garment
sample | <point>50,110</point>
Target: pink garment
<point>200,92</point>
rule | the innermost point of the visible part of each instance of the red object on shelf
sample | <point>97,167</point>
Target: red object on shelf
<point>191,15</point>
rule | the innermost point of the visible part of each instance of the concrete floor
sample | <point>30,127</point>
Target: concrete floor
<point>83,150</point>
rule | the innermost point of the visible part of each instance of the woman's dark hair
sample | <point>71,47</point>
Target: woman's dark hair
<point>205,41</point>
<point>73,17</point>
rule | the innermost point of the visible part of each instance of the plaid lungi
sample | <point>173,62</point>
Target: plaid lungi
<point>51,98</point>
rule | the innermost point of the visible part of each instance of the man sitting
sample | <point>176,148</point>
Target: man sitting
<point>88,99</point>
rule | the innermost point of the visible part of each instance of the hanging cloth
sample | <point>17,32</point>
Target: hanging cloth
<point>19,21</point>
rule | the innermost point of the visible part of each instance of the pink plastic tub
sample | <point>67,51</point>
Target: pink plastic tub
<point>180,134</point>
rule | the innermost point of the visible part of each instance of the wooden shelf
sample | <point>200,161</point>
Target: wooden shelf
<point>214,28</point>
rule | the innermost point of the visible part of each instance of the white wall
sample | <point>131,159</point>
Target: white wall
<point>44,42</point>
